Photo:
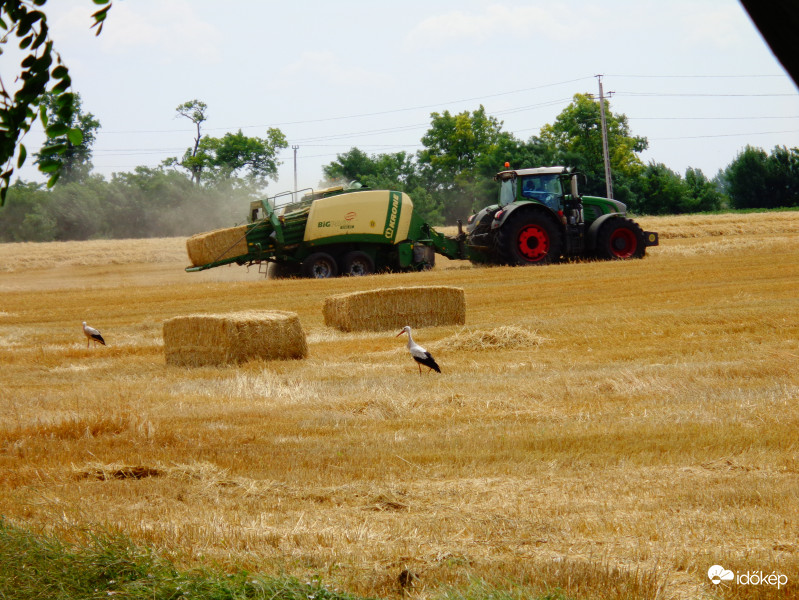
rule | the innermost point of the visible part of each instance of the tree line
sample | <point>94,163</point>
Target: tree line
<point>452,176</point>
<point>211,184</point>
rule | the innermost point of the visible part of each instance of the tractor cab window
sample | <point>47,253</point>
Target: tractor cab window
<point>545,189</point>
<point>507,191</point>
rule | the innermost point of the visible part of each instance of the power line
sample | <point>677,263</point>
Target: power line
<point>708,118</point>
<point>684,95</point>
<point>376,113</point>
<point>720,135</point>
<point>698,76</point>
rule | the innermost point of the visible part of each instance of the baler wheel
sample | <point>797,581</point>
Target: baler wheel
<point>357,263</point>
<point>282,270</point>
<point>319,265</point>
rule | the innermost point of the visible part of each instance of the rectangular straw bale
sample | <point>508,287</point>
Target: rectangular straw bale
<point>208,247</point>
<point>393,308</point>
<point>208,339</point>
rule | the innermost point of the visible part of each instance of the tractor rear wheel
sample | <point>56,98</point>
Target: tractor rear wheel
<point>530,239</point>
<point>357,263</point>
<point>319,265</point>
<point>619,239</point>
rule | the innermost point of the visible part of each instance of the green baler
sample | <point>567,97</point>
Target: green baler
<point>331,232</point>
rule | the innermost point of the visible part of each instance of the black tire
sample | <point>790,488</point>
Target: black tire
<point>530,238</point>
<point>357,263</point>
<point>319,265</point>
<point>620,239</point>
<point>282,270</point>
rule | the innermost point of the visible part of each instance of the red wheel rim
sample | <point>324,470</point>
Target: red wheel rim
<point>623,243</point>
<point>533,243</point>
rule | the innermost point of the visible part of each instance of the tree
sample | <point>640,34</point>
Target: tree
<point>75,161</point>
<point>227,157</point>
<point>703,195</point>
<point>39,68</point>
<point>235,153</point>
<point>352,165</point>
<point>453,160</point>
<point>398,171</point>
<point>759,180</point>
<point>575,140</point>
<point>661,190</point>
<point>783,171</point>
<point>197,112</point>
<point>747,179</point>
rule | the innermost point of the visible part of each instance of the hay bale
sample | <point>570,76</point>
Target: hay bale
<point>208,247</point>
<point>197,340</point>
<point>393,308</point>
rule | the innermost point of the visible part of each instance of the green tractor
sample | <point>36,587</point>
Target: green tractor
<point>541,218</point>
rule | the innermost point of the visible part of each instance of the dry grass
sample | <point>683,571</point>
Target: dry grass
<point>499,338</point>
<point>606,427</point>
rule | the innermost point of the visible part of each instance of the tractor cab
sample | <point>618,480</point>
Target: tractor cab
<point>545,185</point>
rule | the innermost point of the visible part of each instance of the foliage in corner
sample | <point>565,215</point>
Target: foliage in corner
<point>41,71</point>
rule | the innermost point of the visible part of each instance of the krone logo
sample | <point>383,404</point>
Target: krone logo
<point>392,218</point>
<point>717,574</point>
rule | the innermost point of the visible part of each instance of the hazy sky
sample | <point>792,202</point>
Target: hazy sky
<point>693,76</point>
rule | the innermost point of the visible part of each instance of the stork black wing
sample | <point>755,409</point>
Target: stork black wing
<point>428,361</point>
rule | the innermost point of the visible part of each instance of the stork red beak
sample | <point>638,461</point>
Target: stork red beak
<point>400,333</point>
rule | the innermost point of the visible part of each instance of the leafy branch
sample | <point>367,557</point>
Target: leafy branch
<point>41,71</point>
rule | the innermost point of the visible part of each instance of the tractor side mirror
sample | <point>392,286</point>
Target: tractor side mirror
<point>575,192</point>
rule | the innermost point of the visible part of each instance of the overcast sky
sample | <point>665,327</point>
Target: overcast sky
<point>693,76</point>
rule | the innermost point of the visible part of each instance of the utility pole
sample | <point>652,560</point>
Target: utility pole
<point>605,153</point>
<point>294,195</point>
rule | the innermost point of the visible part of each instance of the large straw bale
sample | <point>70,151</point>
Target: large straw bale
<point>393,308</point>
<point>208,247</point>
<point>207,339</point>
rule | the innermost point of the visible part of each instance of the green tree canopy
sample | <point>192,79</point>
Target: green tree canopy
<point>41,71</point>
<point>398,171</point>
<point>235,154</point>
<point>703,194</point>
<point>575,140</point>
<point>232,155</point>
<point>81,131</point>
<point>660,190</point>
<point>756,179</point>
<point>455,157</point>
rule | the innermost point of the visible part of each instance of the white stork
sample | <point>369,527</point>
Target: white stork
<point>419,354</point>
<point>92,335</point>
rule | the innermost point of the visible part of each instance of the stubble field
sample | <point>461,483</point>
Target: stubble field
<point>611,429</point>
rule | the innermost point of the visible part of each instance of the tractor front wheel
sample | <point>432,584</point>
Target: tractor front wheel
<point>531,239</point>
<point>319,265</point>
<point>620,239</point>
